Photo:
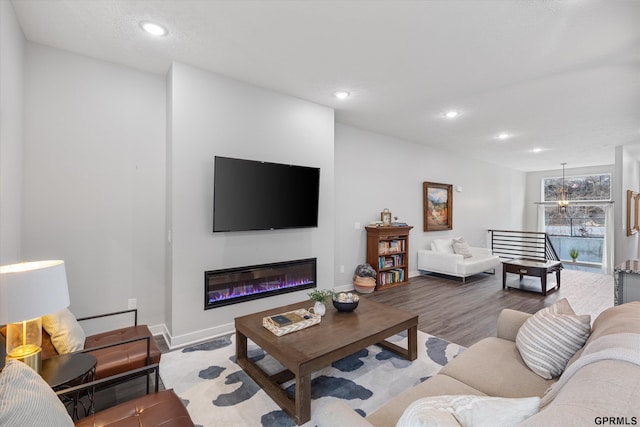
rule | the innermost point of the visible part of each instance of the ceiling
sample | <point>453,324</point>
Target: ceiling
<point>561,76</point>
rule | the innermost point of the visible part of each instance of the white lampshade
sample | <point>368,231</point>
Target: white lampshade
<point>32,289</point>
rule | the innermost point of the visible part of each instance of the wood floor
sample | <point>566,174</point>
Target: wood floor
<point>466,313</point>
<point>460,313</point>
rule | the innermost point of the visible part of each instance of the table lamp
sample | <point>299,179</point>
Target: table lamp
<point>29,291</point>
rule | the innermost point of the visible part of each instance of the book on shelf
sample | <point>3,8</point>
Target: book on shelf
<point>391,246</point>
<point>391,276</point>
<point>388,261</point>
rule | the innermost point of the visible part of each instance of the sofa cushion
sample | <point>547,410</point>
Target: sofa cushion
<point>461,247</point>
<point>439,384</point>
<point>609,388</point>
<point>468,411</point>
<point>427,413</point>
<point>27,400</point>
<point>551,337</point>
<point>442,245</point>
<point>66,333</point>
<point>478,365</point>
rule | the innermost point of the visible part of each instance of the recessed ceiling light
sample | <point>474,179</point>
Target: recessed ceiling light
<point>154,29</point>
<point>452,114</point>
<point>537,150</point>
<point>504,135</point>
<point>341,94</point>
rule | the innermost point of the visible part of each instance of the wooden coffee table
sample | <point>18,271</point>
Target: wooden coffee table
<point>338,335</point>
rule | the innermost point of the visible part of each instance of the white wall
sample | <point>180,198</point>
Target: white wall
<point>11,134</point>
<point>375,171</point>
<point>533,189</point>
<point>213,115</point>
<point>94,179</point>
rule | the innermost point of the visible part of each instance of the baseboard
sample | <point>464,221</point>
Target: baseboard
<point>196,337</point>
<point>178,341</point>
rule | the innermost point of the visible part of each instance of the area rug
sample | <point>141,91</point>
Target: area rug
<point>217,392</point>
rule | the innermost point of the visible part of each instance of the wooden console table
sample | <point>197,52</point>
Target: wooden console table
<point>527,267</point>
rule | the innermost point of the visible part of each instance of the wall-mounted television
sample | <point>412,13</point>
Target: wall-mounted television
<point>254,195</point>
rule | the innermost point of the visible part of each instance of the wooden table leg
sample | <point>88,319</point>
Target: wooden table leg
<point>241,345</point>
<point>302,401</point>
<point>412,343</point>
<point>543,280</point>
<point>558,278</point>
<point>504,276</point>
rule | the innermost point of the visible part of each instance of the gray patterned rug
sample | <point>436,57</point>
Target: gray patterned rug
<point>218,393</point>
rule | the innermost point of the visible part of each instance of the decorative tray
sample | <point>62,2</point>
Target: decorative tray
<point>291,321</point>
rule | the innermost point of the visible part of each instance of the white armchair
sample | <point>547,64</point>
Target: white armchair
<point>443,259</point>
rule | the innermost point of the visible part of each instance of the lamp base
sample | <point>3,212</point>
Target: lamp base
<point>33,360</point>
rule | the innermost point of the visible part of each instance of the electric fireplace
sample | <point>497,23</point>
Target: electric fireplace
<point>234,285</point>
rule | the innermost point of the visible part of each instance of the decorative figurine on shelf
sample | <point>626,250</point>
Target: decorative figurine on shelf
<point>385,217</point>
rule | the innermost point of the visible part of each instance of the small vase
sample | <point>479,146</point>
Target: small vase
<point>319,308</point>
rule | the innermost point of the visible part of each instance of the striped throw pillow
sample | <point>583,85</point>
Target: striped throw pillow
<point>549,338</point>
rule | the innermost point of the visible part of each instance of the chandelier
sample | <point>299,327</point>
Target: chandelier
<point>563,202</point>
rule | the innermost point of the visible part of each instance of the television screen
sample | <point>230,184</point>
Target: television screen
<point>252,195</point>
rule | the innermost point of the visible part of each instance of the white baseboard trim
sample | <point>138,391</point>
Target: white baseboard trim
<point>196,337</point>
<point>191,338</point>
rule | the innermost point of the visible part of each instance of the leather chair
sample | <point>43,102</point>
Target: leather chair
<point>117,351</point>
<point>163,408</point>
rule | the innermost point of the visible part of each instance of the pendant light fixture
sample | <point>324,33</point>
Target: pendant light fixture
<point>563,202</point>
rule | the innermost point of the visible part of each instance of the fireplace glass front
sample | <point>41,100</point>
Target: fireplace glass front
<point>234,285</point>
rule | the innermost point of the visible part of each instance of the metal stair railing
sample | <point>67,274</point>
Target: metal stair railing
<point>533,245</point>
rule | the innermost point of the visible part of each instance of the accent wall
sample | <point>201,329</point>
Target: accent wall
<point>211,115</point>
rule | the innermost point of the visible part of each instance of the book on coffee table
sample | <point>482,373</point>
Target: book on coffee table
<point>291,321</point>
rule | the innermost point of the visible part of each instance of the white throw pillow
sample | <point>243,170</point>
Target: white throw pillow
<point>66,333</point>
<point>468,410</point>
<point>549,338</point>
<point>442,245</point>
<point>461,247</point>
<point>27,400</point>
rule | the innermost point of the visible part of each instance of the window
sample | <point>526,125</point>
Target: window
<point>579,188</point>
<point>582,225</point>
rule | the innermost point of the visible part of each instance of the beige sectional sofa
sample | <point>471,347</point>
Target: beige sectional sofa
<point>494,367</point>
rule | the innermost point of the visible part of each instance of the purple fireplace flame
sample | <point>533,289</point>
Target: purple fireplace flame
<point>234,285</point>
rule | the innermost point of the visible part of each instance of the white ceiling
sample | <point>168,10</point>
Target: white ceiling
<point>563,76</point>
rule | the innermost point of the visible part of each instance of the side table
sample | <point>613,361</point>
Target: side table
<point>528,267</point>
<point>67,370</point>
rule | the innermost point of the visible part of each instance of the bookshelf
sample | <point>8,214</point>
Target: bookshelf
<point>388,254</point>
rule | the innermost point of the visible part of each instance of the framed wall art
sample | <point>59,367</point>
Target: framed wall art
<point>633,202</point>
<point>438,206</point>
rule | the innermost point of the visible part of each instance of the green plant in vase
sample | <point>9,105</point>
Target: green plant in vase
<point>573,253</point>
<point>320,297</point>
